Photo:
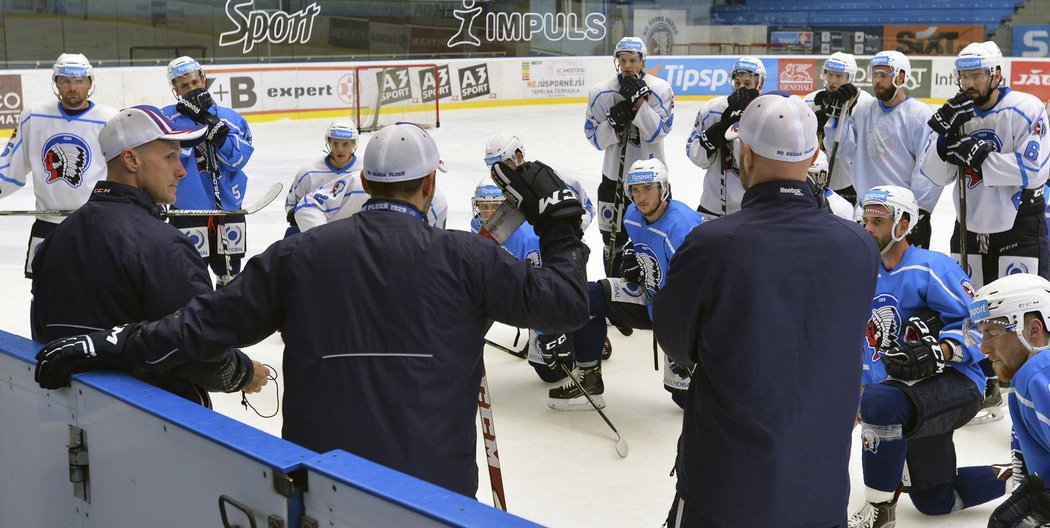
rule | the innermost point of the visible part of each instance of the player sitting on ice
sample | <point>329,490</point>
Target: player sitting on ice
<point>337,174</point>
<point>656,226</point>
<point>921,380</point>
<point>523,243</point>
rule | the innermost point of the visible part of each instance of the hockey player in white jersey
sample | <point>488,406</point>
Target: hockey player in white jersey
<point>708,147</point>
<point>628,117</point>
<point>884,139</point>
<point>921,378</point>
<point>340,164</point>
<point>996,138</point>
<point>840,69</point>
<point>58,144</point>
<point>828,199</point>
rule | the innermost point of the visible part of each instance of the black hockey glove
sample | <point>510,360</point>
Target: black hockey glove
<point>677,369</point>
<point>620,116</point>
<point>97,350</point>
<point>736,103</point>
<point>924,323</point>
<point>949,118</point>
<point>632,269</point>
<point>633,88</point>
<point>556,349</point>
<point>1027,506</point>
<point>914,360</point>
<point>822,118</point>
<point>969,151</point>
<point>195,105</point>
<point>714,137</point>
<point>217,133</point>
<point>537,191</point>
<point>835,101</point>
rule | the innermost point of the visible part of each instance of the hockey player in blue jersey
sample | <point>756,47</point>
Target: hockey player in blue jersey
<point>1011,315</point>
<point>656,226</point>
<point>920,380</point>
<point>231,142</point>
<point>317,182</point>
<point>524,243</point>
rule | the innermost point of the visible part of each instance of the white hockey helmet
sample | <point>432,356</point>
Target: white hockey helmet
<point>842,63</point>
<point>181,66</point>
<point>632,44</point>
<point>502,147</point>
<point>898,200</point>
<point>897,63</point>
<point>647,171</point>
<point>818,171</point>
<point>486,192</point>
<point>72,65</point>
<point>341,129</point>
<point>1010,297</point>
<point>752,65</point>
<point>979,55</point>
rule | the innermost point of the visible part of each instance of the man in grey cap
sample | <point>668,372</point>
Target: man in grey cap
<point>770,410</point>
<point>388,367</point>
<point>115,260</point>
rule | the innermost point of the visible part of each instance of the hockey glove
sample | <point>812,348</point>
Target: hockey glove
<point>217,133</point>
<point>1027,506</point>
<point>949,118</point>
<point>537,191</point>
<point>735,105</point>
<point>677,369</point>
<point>924,323</point>
<point>969,151</point>
<point>620,116</point>
<point>195,105</point>
<point>632,89</point>
<point>836,101</point>
<point>822,118</point>
<point>556,349</point>
<point>632,269</point>
<point>914,360</point>
<point>714,137</point>
<point>97,350</point>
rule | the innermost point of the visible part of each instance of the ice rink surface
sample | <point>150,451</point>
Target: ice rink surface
<point>559,469</point>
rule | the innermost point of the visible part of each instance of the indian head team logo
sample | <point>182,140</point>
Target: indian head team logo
<point>650,266</point>
<point>974,177</point>
<point>967,287</point>
<point>534,258</point>
<point>884,325</point>
<point>65,158</point>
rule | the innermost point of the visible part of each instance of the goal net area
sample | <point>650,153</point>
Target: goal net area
<point>385,94</point>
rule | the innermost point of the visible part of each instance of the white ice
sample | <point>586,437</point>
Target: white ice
<point>559,469</point>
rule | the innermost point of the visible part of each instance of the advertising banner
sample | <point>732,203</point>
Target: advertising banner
<point>857,41</point>
<point>708,76</point>
<point>931,40</point>
<point>554,78</point>
<point>10,100</point>
<point>1031,77</point>
<point>1031,41</point>
<point>797,76</point>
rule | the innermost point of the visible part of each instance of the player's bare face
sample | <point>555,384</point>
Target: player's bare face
<point>1000,343</point>
<point>73,91</point>
<point>647,198</point>
<point>978,85</point>
<point>487,209</point>
<point>185,84</point>
<point>742,79</point>
<point>878,222</point>
<point>833,79</point>
<point>882,81</point>
<point>159,169</point>
<point>631,63</point>
<point>340,151</point>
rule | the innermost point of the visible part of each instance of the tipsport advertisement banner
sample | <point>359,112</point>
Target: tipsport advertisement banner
<point>710,76</point>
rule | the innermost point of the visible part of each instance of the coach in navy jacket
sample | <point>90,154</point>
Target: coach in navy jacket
<point>767,304</point>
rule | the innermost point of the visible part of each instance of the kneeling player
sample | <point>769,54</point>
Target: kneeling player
<point>656,226</point>
<point>921,380</point>
<point>524,243</point>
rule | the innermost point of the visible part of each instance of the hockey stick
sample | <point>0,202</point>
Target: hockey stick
<point>211,164</point>
<point>270,196</point>
<point>621,444</point>
<point>488,430</point>
<point>846,113</point>
<point>523,353</point>
<point>617,205</point>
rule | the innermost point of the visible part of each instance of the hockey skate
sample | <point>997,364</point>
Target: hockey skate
<point>992,409</point>
<point>881,515</point>
<point>568,396</point>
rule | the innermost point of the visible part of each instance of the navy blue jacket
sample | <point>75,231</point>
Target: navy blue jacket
<point>770,303</point>
<point>383,319</point>
<point>116,261</point>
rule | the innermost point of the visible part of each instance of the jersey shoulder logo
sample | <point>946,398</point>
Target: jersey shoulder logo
<point>338,187</point>
<point>65,158</point>
<point>651,272</point>
<point>534,258</point>
<point>884,324</point>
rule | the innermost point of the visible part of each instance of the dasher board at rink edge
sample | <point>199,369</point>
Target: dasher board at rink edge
<point>154,459</point>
